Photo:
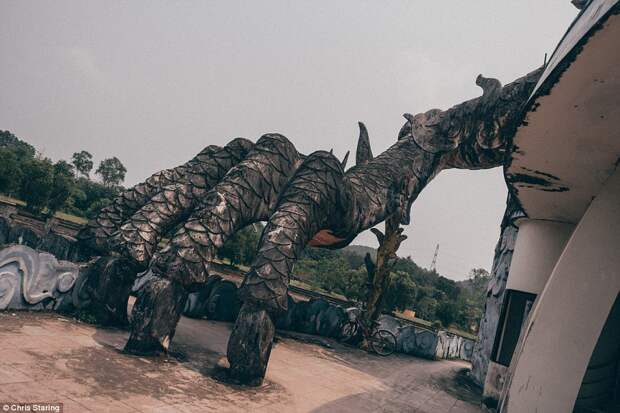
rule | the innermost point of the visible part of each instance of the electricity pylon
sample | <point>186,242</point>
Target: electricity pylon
<point>434,263</point>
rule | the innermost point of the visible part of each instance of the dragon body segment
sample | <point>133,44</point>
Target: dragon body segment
<point>305,200</point>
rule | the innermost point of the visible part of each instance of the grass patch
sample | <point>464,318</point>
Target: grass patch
<point>60,215</point>
<point>12,201</point>
<point>71,218</point>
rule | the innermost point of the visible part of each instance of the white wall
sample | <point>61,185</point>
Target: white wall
<point>562,331</point>
<point>539,245</point>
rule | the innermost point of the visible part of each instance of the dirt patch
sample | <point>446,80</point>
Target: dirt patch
<point>166,378</point>
<point>461,386</point>
<point>14,321</point>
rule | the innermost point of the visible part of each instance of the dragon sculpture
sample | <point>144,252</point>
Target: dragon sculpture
<point>173,223</point>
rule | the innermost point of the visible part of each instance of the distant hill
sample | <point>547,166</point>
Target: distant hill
<point>467,285</point>
<point>476,283</point>
<point>359,250</point>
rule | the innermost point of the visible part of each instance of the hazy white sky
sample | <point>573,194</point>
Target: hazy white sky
<point>153,82</point>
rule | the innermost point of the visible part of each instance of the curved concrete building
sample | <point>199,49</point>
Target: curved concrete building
<point>557,345</point>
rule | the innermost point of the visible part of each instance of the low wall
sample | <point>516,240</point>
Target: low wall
<point>55,236</point>
<point>218,301</point>
<point>35,280</point>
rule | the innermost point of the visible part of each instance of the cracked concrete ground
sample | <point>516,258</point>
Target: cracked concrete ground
<point>46,357</point>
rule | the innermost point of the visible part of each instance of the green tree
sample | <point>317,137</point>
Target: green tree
<point>249,242</point>
<point>329,274</point>
<point>41,184</point>
<point>89,197</point>
<point>353,260</point>
<point>83,163</point>
<point>112,171</point>
<point>447,287</point>
<point>355,281</point>
<point>447,313</point>
<point>430,295</point>
<point>21,149</point>
<point>472,299</point>
<point>426,307</point>
<point>63,186</point>
<point>241,247</point>
<point>479,279</point>
<point>96,206</point>
<point>10,171</point>
<point>13,153</point>
<point>36,185</point>
<point>400,294</point>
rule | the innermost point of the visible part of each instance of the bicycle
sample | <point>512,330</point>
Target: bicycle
<point>380,341</point>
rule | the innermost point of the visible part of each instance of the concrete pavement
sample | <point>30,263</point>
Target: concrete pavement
<point>50,358</point>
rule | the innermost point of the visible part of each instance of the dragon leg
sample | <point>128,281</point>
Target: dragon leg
<point>309,203</point>
<point>99,237</point>
<point>160,205</point>
<point>246,195</point>
<point>139,236</point>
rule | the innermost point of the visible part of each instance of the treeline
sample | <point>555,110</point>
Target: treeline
<point>48,187</point>
<point>431,296</point>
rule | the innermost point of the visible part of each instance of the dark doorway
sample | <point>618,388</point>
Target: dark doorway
<point>517,306</point>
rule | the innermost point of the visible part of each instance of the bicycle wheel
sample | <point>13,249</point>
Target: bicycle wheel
<point>349,331</point>
<point>383,342</point>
